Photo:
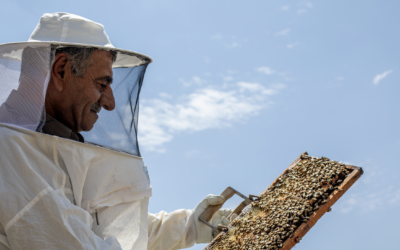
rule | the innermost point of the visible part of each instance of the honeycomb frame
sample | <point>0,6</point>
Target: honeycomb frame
<point>353,174</point>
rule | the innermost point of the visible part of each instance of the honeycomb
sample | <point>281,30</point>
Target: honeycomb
<point>275,215</point>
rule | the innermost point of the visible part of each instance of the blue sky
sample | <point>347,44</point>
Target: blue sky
<point>239,89</point>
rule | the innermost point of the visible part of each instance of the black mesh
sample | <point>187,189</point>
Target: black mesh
<point>118,129</point>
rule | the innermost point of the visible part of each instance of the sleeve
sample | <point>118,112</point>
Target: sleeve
<point>168,231</point>
<point>50,221</point>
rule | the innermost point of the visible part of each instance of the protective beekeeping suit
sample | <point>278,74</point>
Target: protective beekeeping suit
<point>66,190</point>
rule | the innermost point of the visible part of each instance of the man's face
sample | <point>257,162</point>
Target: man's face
<point>80,96</point>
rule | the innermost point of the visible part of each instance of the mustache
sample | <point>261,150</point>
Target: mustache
<point>96,107</point>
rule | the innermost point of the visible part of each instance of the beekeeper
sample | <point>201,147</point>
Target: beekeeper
<point>72,177</point>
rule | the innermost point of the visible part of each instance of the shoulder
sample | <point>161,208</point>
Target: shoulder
<point>26,162</point>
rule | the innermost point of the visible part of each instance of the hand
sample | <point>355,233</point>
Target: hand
<point>204,232</point>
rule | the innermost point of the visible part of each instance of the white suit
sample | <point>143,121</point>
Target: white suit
<point>37,208</point>
<point>61,194</point>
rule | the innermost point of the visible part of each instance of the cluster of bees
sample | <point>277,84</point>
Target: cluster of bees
<point>289,202</point>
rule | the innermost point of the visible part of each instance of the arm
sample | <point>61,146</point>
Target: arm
<point>174,230</point>
<point>182,229</point>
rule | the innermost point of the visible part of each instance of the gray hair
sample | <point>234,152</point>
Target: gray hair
<point>81,57</point>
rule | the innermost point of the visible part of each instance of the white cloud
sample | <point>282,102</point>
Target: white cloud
<point>286,76</point>
<point>380,77</point>
<point>258,88</point>
<point>340,78</point>
<point>160,120</point>
<point>307,4</point>
<point>164,95</point>
<point>195,80</point>
<point>192,153</point>
<point>367,202</point>
<point>375,190</point>
<point>301,11</point>
<point>292,45</point>
<point>120,140</point>
<point>303,7</point>
<point>227,78</point>
<point>283,32</point>
<point>285,7</point>
<point>216,37</point>
<point>232,45</point>
<point>265,70</point>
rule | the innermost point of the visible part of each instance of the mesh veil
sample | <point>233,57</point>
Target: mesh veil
<point>24,76</point>
<point>118,129</point>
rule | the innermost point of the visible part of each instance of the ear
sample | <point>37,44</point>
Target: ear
<point>60,71</point>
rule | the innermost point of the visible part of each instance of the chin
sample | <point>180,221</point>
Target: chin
<point>88,124</point>
<point>87,128</point>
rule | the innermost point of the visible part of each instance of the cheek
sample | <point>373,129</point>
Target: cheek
<point>90,94</point>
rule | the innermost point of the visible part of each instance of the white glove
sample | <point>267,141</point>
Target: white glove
<point>204,232</point>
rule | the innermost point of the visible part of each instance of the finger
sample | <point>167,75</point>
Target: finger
<point>214,199</point>
<point>210,200</point>
<point>233,217</point>
<point>223,212</point>
<point>227,212</point>
<point>225,221</point>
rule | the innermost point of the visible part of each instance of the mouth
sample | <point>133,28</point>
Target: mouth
<point>96,107</point>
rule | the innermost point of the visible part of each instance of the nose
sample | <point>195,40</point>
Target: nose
<point>107,100</point>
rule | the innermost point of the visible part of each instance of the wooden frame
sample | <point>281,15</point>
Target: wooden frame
<point>298,234</point>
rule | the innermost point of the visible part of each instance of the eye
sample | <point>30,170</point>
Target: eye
<point>102,85</point>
